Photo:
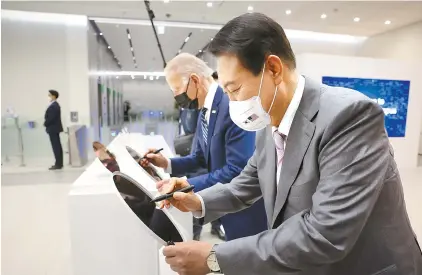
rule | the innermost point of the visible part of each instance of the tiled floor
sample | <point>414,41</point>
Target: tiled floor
<point>35,233</point>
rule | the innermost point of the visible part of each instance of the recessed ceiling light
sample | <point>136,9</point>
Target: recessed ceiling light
<point>151,77</point>
<point>101,33</point>
<point>200,51</point>
<point>157,77</point>
<point>128,36</point>
<point>323,16</point>
<point>387,22</point>
<point>131,49</point>
<point>133,77</point>
<point>145,77</point>
<point>161,29</point>
<point>356,19</point>
<point>288,12</point>
<point>250,8</point>
<point>212,38</point>
<point>109,47</point>
<point>209,4</point>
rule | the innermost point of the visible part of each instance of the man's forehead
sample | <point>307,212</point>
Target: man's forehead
<point>228,68</point>
<point>175,82</point>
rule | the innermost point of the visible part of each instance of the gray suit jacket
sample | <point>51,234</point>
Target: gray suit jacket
<point>338,208</point>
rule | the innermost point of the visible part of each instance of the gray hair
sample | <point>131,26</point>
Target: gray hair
<point>185,64</point>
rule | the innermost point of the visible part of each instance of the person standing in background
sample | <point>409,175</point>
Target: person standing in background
<point>53,126</point>
<point>221,146</point>
<point>126,108</point>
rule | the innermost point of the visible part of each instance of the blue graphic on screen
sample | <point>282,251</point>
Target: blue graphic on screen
<point>391,95</point>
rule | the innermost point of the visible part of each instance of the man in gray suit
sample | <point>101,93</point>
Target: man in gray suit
<point>323,164</point>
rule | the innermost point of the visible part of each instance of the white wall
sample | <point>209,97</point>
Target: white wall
<point>316,66</point>
<point>148,94</point>
<point>401,44</point>
<point>38,56</point>
<point>42,52</point>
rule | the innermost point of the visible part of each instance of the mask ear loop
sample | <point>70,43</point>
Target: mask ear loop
<point>260,84</point>
<point>275,94</point>
<point>259,93</point>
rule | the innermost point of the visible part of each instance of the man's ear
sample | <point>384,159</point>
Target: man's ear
<point>276,68</point>
<point>195,78</point>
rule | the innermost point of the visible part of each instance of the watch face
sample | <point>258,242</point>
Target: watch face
<point>212,263</point>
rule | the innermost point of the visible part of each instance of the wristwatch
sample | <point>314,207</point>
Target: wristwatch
<point>212,262</point>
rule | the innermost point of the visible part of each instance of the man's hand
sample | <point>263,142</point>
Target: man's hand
<point>156,159</point>
<point>186,202</point>
<point>188,258</point>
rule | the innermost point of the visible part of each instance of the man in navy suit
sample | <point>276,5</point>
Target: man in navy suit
<point>221,146</point>
<point>53,126</point>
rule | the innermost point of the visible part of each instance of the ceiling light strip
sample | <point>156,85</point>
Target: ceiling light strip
<point>125,73</point>
<point>104,40</point>
<point>291,34</point>
<point>184,43</point>
<point>129,37</point>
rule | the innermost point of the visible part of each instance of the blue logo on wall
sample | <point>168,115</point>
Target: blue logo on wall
<point>391,95</point>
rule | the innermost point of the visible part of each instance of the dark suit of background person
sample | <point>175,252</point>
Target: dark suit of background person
<point>228,151</point>
<point>189,119</point>
<point>53,126</point>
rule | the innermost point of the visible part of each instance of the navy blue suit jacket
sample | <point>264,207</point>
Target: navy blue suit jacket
<point>227,154</point>
<point>52,119</point>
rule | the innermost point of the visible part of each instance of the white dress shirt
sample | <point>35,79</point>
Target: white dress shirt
<point>286,122</point>
<point>283,128</point>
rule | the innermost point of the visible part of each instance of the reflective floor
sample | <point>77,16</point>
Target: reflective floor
<point>34,219</point>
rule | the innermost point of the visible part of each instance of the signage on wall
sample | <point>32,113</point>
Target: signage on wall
<point>391,95</point>
<point>74,117</point>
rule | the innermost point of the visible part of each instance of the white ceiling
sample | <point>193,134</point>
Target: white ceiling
<point>304,16</point>
<point>146,51</point>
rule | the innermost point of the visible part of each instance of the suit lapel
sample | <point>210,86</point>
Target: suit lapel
<point>300,136</point>
<point>213,118</point>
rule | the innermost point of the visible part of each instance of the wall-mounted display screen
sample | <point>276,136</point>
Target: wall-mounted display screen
<point>391,95</point>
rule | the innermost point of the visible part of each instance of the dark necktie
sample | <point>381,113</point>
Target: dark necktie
<point>204,126</point>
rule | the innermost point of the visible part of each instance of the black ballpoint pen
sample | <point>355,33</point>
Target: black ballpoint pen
<point>155,152</point>
<point>169,195</point>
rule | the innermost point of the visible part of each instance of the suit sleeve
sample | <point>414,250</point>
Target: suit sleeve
<point>239,194</point>
<point>181,166</point>
<point>353,161</point>
<point>239,148</point>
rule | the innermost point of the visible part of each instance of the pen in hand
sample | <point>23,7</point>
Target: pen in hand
<point>186,189</point>
<point>155,152</point>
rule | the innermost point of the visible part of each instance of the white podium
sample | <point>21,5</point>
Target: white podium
<point>107,238</point>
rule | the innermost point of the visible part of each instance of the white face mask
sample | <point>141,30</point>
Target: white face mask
<point>249,114</point>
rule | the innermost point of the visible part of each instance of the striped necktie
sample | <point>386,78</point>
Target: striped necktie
<point>204,126</point>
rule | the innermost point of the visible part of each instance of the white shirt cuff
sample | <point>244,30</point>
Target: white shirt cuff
<point>199,214</point>
<point>168,169</point>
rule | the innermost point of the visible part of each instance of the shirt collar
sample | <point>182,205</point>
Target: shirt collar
<point>209,98</point>
<point>286,122</point>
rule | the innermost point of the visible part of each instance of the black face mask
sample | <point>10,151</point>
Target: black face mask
<point>185,102</point>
